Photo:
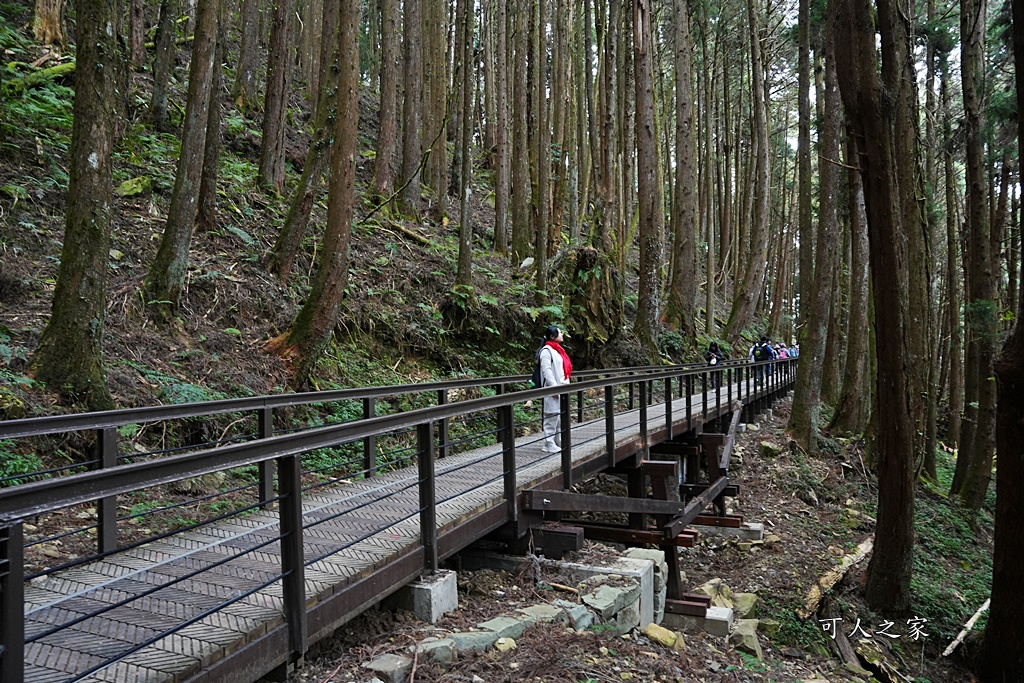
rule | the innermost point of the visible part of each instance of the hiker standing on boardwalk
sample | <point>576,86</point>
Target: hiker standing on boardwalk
<point>555,370</point>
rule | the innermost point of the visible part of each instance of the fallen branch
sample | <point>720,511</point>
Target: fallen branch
<point>561,587</point>
<point>966,629</point>
<point>832,577</point>
<point>16,86</point>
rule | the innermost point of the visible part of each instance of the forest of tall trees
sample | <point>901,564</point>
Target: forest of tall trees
<point>839,174</point>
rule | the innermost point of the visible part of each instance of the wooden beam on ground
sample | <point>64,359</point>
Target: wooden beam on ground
<point>621,534</point>
<point>730,521</point>
<point>831,578</point>
<point>564,501</point>
<point>691,604</point>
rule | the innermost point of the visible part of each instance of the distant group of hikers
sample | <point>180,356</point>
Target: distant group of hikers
<point>553,368</point>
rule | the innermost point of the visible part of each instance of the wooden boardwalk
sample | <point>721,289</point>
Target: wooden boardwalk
<point>220,583</point>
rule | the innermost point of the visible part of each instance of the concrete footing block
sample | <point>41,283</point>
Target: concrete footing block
<point>718,621</point>
<point>748,531</point>
<point>431,597</point>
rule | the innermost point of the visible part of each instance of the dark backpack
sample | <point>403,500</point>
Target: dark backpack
<point>761,352</point>
<point>535,379</point>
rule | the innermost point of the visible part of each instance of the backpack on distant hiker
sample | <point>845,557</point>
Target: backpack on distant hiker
<point>761,352</point>
<point>535,379</point>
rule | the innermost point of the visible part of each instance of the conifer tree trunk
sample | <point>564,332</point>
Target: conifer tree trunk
<point>311,331</point>
<point>853,408</point>
<point>649,189</point>
<point>520,135</point>
<point>207,214</point>
<point>271,173</point>
<point>166,279</point>
<point>806,229</point>
<point>889,572</point>
<point>69,357</point>
<point>750,288</point>
<point>1001,656</point>
<point>681,307</point>
<point>982,307</point>
<point>163,62</point>
<point>286,247</point>
<point>137,32</point>
<point>435,111</point>
<point>244,90</point>
<point>383,182</point>
<point>412,70</point>
<point>48,22</point>
<point>956,364</point>
<point>464,273</point>
<point>803,420</point>
<point>542,189</point>
<point>502,166</point>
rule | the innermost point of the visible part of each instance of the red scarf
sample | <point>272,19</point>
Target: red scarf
<point>566,363</point>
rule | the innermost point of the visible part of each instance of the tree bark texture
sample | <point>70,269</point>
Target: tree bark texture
<point>48,22</point>
<point>464,271</point>
<point>311,331</point>
<point>982,307</point>
<point>888,580</point>
<point>137,32</point>
<point>750,289</point>
<point>803,420</point>
<point>649,189</point>
<point>681,307</point>
<point>206,219</point>
<point>854,406</point>
<point>166,279</point>
<point>163,63</point>
<point>383,183</point>
<point>69,357</point>
<point>1001,656</point>
<point>542,188</point>
<point>521,239</point>
<point>502,166</point>
<point>244,90</point>
<point>286,247</point>
<point>412,66</point>
<point>806,228</point>
<point>271,173</point>
<point>435,111</point>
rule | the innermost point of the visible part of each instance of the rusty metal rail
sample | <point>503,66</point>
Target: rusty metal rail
<point>286,570</point>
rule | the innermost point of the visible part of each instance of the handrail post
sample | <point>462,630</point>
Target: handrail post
<point>689,402</point>
<point>566,442</point>
<point>106,507</point>
<point>12,602</point>
<point>293,571</point>
<point>428,497</point>
<point>442,427</point>
<point>718,395</point>
<point>499,390</point>
<point>668,406</point>
<point>579,407</point>
<point>643,417</point>
<point>370,442</point>
<point>704,394</point>
<point>265,485</point>
<point>632,390</point>
<point>609,423</point>
<point>507,438</point>
<point>728,391</point>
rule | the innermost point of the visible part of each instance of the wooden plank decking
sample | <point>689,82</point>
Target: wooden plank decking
<point>222,580</point>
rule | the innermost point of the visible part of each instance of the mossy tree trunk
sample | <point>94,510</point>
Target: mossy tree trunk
<point>137,32</point>
<point>521,238</point>
<point>501,160</point>
<point>464,271</point>
<point>804,167</point>
<point>206,219</point>
<point>69,356</point>
<point>311,331</point>
<point>166,279</point>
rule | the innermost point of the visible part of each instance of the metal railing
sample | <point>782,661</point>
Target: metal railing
<point>422,435</point>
